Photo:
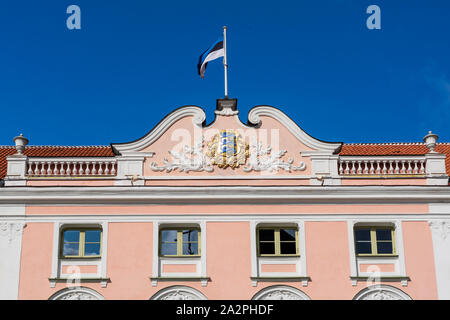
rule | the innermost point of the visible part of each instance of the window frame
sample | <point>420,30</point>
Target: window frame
<point>277,242</point>
<point>82,243</point>
<point>180,242</point>
<point>373,241</point>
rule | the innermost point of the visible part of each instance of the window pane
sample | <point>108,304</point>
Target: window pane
<point>190,235</point>
<point>287,234</point>
<point>92,249</point>
<point>267,248</point>
<point>92,235</point>
<point>71,236</point>
<point>288,248</point>
<point>190,248</point>
<point>70,249</point>
<point>266,235</point>
<point>363,247</point>
<point>169,235</point>
<point>384,247</point>
<point>168,249</point>
<point>384,234</point>
<point>362,234</point>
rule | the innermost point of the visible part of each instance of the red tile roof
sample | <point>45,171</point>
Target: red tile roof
<point>54,151</point>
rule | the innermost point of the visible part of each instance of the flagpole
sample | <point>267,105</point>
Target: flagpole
<point>225,60</point>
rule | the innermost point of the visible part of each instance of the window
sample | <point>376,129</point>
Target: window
<point>374,241</point>
<point>277,241</point>
<point>180,242</point>
<point>81,243</point>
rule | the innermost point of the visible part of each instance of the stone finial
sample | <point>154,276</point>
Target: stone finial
<point>430,141</point>
<point>20,142</point>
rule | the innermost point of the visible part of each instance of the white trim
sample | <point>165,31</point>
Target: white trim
<point>252,194</point>
<point>130,148</point>
<point>398,261</point>
<point>17,210</point>
<point>157,261</point>
<point>227,217</point>
<point>254,117</point>
<point>57,262</point>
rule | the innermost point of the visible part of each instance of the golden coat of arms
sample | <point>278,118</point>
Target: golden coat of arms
<point>227,149</point>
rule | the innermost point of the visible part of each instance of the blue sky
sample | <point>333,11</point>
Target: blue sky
<point>134,61</point>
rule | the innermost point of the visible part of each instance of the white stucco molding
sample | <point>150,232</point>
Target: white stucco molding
<point>77,293</point>
<point>16,170</point>
<point>381,292</point>
<point>131,148</point>
<point>280,292</point>
<point>254,117</point>
<point>440,229</point>
<point>178,293</point>
<point>212,194</point>
<point>10,247</point>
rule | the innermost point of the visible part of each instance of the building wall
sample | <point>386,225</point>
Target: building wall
<point>228,255</point>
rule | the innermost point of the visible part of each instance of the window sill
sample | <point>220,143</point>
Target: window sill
<point>203,280</point>
<point>377,255</point>
<point>183,257</point>
<point>403,279</point>
<point>303,280</point>
<point>278,256</point>
<point>73,280</point>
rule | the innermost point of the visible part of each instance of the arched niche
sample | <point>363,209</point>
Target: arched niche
<point>280,292</point>
<point>178,293</point>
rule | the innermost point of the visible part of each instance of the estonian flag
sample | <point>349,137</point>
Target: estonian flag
<point>213,52</point>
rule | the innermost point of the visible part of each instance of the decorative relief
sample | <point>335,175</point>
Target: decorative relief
<point>381,295</point>
<point>178,293</point>
<point>11,230</point>
<point>227,149</point>
<point>381,292</point>
<point>78,296</point>
<point>441,227</point>
<point>262,159</point>
<point>280,293</point>
<point>77,293</point>
<point>190,159</point>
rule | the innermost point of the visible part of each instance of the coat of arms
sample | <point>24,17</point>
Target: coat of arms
<point>227,149</point>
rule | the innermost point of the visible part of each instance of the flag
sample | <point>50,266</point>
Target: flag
<point>212,53</point>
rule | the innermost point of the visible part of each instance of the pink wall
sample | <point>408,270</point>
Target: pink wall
<point>231,209</point>
<point>130,260</point>
<point>419,260</point>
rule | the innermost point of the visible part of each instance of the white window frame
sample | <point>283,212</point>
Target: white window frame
<point>398,260</point>
<point>101,262</point>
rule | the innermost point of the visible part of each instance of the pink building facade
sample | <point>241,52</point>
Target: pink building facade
<point>227,210</point>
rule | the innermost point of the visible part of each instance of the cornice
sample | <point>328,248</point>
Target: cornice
<point>224,195</point>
